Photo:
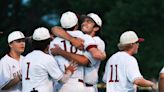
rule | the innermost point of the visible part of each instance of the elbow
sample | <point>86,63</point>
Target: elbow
<point>103,56</point>
<point>84,62</point>
<point>54,30</point>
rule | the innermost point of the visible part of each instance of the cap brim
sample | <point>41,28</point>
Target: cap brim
<point>141,40</point>
<point>85,16</point>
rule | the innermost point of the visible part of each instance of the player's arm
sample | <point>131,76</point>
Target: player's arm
<point>78,43</point>
<point>161,82</point>
<point>97,54</point>
<point>12,83</point>
<point>79,59</point>
<point>143,82</point>
<point>60,32</point>
<point>135,76</point>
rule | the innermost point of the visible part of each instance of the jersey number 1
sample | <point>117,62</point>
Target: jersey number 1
<point>111,75</point>
<point>28,66</point>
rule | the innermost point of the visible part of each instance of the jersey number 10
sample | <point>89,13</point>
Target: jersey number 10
<point>111,75</point>
<point>72,48</point>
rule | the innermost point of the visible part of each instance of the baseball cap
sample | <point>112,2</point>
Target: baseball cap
<point>94,17</point>
<point>129,37</point>
<point>68,19</point>
<point>15,36</point>
<point>41,33</point>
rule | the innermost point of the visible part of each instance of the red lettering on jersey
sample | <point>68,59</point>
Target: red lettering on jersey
<point>28,66</point>
<point>111,74</point>
<point>71,47</point>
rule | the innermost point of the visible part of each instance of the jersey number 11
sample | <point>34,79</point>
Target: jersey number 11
<point>111,75</point>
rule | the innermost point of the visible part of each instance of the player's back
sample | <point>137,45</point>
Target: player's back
<point>67,46</point>
<point>36,73</point>
<point>118,76</point>
<point>62,62</point>
<point>78,76</point>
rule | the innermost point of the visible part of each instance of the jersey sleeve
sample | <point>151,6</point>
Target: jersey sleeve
<point>5,75</point>
<point>88,42</point>
<point>162,71</point>
<point>53,69</point>
<point>101,46</point>
<point>132,70</point>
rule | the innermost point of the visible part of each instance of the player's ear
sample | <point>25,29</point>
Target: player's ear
<point>10,45</point>
<point>96,29</point>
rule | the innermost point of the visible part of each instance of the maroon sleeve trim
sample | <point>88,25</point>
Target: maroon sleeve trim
<point>91,46</point>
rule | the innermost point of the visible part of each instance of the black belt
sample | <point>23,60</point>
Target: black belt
<point>80,80</point>
<point>88,85</point>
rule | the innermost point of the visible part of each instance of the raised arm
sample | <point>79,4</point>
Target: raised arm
<point>60,32</point>
<point>78,43</point>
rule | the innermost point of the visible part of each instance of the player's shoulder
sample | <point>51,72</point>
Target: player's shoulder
<point>48,57</point>
<point>5,58</point>
<point>98,39</point>
<point>123,56</point>
<point>76,33</point>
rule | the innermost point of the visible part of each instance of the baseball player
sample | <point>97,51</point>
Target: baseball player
<point>161,81</point>
<point>39,69</point>
<point>10,71</point>
<point>68,47</point>
<point>91,25</point>
<point>122,71</point>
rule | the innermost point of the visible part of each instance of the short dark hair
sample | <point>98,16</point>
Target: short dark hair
<point>41,45</point>
<point>70,29</point>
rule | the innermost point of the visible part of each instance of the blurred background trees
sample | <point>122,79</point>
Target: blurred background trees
<point>146,17</point>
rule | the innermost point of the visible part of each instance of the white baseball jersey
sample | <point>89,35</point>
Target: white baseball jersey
<point>79,73</point>
<point>91,73</point>
<point>120,72</point>
<point>9,69</point>
<point>38,71</point>
<point>162,71</point>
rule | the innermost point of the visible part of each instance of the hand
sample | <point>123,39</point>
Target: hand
<point>78,43</point>
<point>154,87</point>
<point>56,50</point>
<point>71,68</point>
